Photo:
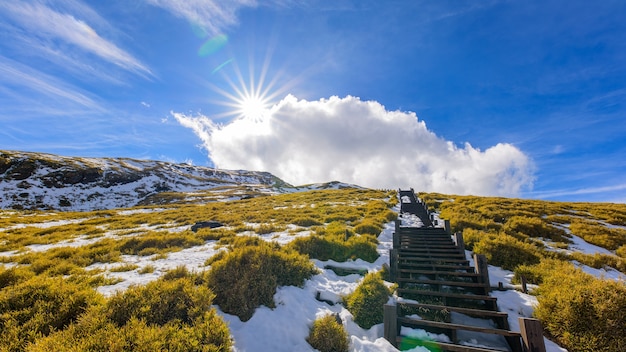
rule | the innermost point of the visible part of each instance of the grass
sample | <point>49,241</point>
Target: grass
<point>526,236</point>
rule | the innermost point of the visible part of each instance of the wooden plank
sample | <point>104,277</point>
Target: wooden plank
<point>435,272</point>
<point>409,264</point>
<point>435,260</point>
<point>409,252</point>
<point>467,311</point>
<point>462,348</point>
<point>447,295</point>
<point>441,282</point>
<point>451,326</point>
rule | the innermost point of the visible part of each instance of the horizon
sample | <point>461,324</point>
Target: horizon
<point>521,100</point>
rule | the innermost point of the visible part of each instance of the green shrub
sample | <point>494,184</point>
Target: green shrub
<point>160,302</point>
<point>306,222</point>
<point>507,252</point>
<point>598,234</point>
<point>583,313</point>
<point>520,226</point>
<point>367,301</point>
<point>473,236</point>
<point>40,305</point>
<point>150,243</point>
<point>368,227</point>
<point>336,248</point>
<point>327,335</point>
<point>95,332</point>
<point>248,276</point>
<point>13,276</point>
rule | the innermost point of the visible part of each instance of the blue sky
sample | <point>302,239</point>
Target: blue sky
<point>512,98</point>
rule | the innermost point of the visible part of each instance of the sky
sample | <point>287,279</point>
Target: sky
<point>507,98</point>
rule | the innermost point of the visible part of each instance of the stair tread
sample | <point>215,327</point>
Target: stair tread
<point>449,295</point>
<point>453,326</point>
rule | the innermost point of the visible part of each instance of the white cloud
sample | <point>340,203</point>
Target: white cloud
<point>14,73</point>
<point>359,142</point>
<point>212,15</point>
<point>48,25</point>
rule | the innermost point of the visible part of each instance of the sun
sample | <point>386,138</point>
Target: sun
<point>253,107</point>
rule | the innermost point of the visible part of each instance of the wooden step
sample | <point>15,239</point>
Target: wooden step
<point>466,311</point>
<point>452,326</point>
<point>410,264</point>
<point>438,273</point>
<point>442,283</point>
<point>425,237</point>
<point>435,260</point>
<point>448,247</point>
<point>452,253</point>
<point>448,295</point>
<point>450,347</point>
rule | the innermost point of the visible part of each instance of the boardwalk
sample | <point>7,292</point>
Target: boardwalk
<point>442,295</point>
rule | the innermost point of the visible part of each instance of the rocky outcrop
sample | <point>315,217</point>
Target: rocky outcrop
<point>45,181</point>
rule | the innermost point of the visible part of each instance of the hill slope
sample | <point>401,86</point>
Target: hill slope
<point>46,181</point>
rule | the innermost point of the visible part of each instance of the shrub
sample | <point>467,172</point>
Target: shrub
<point>151,243</point>
<point>39,306</point>
<point>535,273</point>
<point>95,332</point>
<point>248,276</point>
<point>327,335</point>
<point>600,235</point>
<point>367,301</point>
<point>507,252</point>
<point>306,222</point>
<point>13,276</point>
<point>583,313</point>
<point>336,248</point>
<point>160,302</point>
<point>368,227</point>
<point>473,236</point>
<point>520,226</point>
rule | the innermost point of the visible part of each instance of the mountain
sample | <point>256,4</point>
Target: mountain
<point>45,181</point>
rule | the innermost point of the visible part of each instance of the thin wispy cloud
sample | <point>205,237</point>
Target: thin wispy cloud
<point>50,27</point>
<point>211,15</point>
<point>16,74</point>
<point>580,191</point>
<point>359,142</point>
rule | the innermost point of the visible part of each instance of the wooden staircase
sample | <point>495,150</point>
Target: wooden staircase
<point>441,293</point>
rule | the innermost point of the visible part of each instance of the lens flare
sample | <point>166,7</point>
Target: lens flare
<point>213,45</point>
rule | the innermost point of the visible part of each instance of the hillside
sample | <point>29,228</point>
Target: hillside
<point>283,260</point>
<point>52,182</point>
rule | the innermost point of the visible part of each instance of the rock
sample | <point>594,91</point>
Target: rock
<point>203,224</point>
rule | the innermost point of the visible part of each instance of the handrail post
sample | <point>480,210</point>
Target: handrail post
<point>532,335</point>
<point>460,244</point>
<point>480,264</point>
<point>393,265</point>
<point>390,319</point>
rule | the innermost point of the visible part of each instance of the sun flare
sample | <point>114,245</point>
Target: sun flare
<point>252,107</point>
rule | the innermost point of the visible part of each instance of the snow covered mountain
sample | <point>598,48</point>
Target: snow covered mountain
<point>45,181</point>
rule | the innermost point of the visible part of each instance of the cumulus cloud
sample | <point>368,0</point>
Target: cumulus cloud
<point>359,142</point>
